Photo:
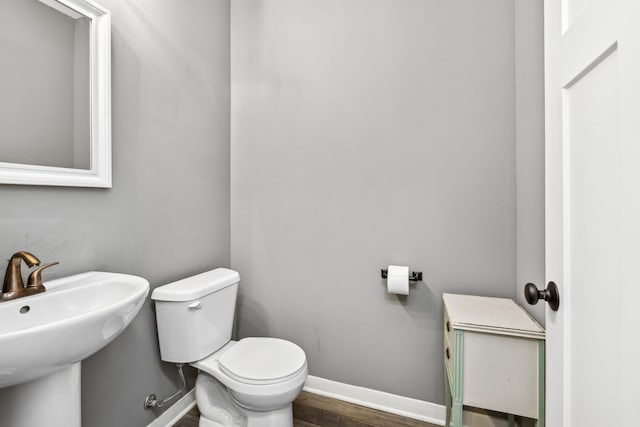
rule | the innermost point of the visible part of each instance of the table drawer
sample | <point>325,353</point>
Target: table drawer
<point>494,377</point>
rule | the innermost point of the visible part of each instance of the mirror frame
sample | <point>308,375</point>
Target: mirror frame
<point>99,174</point>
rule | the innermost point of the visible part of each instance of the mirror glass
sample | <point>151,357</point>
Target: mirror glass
<point>44,84</point>
<point>55,93</point>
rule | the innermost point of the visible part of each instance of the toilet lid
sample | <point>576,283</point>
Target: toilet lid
<point>262,360</point>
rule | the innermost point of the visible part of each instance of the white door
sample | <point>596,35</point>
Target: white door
<point>592,73</point>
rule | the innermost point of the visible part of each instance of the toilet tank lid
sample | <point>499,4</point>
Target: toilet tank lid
<point>195,287</point>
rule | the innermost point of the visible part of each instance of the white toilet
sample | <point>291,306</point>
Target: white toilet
<point>251,382</point>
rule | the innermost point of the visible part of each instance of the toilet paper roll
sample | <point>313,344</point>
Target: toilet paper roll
<point>398,279</point>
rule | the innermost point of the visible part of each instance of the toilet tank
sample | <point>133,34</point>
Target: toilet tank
<point>195,315</point>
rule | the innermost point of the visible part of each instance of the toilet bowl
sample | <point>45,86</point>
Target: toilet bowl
<point>253,388</point>
<point>251,382</point>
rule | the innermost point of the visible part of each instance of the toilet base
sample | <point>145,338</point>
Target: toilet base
<point>282,417</point>
<point>218,408</point>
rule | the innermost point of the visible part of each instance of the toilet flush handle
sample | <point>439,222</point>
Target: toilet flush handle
<point>195,305</point>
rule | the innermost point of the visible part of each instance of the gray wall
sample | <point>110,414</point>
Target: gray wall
<point>529,79</point>
<point>367,133</point>
<point>167,215</point>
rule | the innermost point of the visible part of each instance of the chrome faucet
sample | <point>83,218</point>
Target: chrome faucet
<point>13,286</point>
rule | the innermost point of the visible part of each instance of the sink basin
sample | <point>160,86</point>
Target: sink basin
<point>77,316</point>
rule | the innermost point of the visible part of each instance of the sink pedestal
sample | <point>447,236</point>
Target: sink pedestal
<point>52,401</point>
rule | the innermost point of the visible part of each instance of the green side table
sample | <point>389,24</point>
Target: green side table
<point>493,358</point>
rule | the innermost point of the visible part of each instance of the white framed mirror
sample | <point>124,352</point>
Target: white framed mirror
<point>55,77</point>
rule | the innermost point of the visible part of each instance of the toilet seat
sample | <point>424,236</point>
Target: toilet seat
<point>254,364</point>
<point>262,361</point>
<point>264,393</point>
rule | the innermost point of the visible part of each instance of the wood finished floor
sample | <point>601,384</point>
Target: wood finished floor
<point>312,410</point>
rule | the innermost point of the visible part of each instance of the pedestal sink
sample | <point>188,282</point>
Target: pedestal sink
<point>44,337</point>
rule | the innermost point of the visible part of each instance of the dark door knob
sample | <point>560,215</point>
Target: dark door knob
<point>551,295</point>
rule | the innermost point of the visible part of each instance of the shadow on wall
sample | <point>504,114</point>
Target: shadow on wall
<point>170,378</point>
<point>423,302</point>
<point>254,318</point>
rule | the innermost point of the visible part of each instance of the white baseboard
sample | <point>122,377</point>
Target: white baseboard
<point>176,411</point>
<point>404,406</point>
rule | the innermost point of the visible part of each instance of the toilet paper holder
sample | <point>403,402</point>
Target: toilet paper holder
<point>414,276</point>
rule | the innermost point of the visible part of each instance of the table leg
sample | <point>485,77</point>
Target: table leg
<point>457,415</point>
<point>541,386</point>
<point>447,397</point>
<point>457,377</point>
<point>512,420</point>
